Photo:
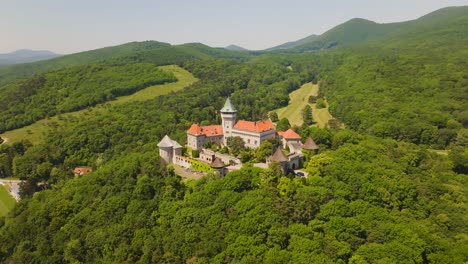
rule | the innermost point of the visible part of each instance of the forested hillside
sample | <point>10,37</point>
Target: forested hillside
<point>409,88</point>
<point>147,51</point>
<point>375,192</point>
<point>359,31</point>
<point>25,102</point>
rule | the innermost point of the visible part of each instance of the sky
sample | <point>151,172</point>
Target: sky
<point>66,26</point>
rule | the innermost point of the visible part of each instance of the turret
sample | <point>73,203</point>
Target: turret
<point>228,116</point>
<point>168,148</point>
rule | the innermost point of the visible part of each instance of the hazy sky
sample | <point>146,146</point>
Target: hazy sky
<point>67,26</point>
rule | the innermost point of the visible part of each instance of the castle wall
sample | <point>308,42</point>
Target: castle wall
<point>166,154</point>
<point>253,139</point>
<point>182,161</point>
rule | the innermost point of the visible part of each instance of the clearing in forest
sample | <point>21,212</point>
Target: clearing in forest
<point>36,131</point>
<point>298,100</point>
<point>6,201</point>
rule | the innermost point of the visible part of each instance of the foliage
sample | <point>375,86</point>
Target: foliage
<point>367,199</point>
<point>283,124</point>
<point>235,144</point>
<point>141,212</point>
<point>154,52</point>
<point>68,90</point>
<point>201,166</point>
<point>321,103</point>
<point>274,117</point>
<point>307,115</point>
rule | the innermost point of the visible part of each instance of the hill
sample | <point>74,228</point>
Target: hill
<point>408,86</point>
<point>361,31</point>
<point>293,44</point>
<point>147,51</point>
<point>366,199</point>
<point>235,47</point>
<point>24,102</point>
<point>24,56</point>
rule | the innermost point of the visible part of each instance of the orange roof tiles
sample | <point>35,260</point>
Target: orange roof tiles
<point>209,131</point>
<point>82,170</point>
<point>289,134</point>
<point>250,126</point>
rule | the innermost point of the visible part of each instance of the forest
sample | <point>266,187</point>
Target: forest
<point>376,192</point>
<point>25,102</point>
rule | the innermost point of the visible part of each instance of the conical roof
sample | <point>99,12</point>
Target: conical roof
<point>279,156</point>
<point>310,144</point>
<point>217,164</point>
<point>166,142</point>
<point>176,144</point>
<point>228,107</point>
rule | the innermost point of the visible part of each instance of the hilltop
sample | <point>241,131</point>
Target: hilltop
<point>155,52</point>
<point>361,31</point>
<point>235,47</point>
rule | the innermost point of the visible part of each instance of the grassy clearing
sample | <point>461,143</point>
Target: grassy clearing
<point>321,116</point>
<point>38,130</point>
<point>440,151</point>
<point>299,99</point>
<point>6,201</point>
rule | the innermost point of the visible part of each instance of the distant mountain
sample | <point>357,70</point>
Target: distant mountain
<point>354,31</point>
<point>25,55</point>
<point>362,31</point>
<point>293,44</point>
<point>235,47</point>
<point>147,51</point>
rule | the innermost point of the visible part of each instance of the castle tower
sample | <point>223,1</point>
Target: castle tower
<point>168,148</point>
<point>228,116</point>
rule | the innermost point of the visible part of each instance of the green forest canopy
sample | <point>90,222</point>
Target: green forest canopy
<point>374,194</point>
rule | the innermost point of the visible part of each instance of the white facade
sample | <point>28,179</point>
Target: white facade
<point>253,139</point>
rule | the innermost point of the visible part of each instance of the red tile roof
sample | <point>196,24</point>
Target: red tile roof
<point>289,134</point>
<point>82,170</point>
<point>258,127</point>
<point>209,131</point>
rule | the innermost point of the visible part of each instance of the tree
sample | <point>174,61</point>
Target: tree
<point>307,115</point>
<point>274,117</point>
<point>271,176</point>
<point>283,124</point>
<point>321,103</point>
<point>235,144</point>
<point>264,151</point>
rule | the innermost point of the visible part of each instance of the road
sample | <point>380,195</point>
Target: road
<point>12,187</point>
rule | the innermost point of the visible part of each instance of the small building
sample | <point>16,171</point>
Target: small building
<point>291,140</point>
<point>78,171</point>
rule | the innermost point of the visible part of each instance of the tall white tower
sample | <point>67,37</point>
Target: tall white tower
<point>228,115</point>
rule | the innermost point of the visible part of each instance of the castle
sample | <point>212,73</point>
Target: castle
<point>252,133</point>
